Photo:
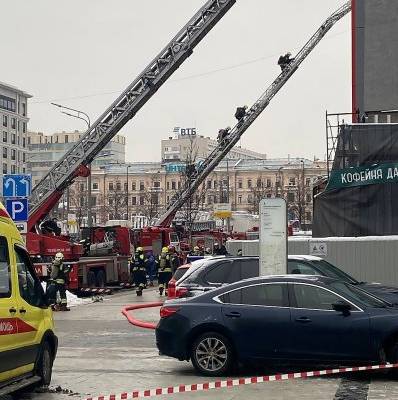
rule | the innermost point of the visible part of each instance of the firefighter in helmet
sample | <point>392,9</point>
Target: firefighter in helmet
<point>139,270</point>
<point>165,271</point>
<point>59,277</point>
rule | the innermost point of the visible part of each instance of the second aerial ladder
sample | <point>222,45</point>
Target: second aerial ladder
<point>225,145</point>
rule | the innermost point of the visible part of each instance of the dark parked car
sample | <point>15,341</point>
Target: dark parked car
<point>281,319</point>
<point>213,272</point>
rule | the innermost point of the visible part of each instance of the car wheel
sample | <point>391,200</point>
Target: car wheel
<point>45,364</point>
<point>211,354</point>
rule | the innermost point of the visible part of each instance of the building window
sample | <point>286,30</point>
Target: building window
<point>5,152</point>
<point>126,186</point>
<point>250,199</point>
<point>95,185</point>
<point>208,184</point>
<point>290,197</point>
<point>93,201</point>
<point>13,169</point>
<point>13,154</point>
<point>292,181</point>
<point>82,187</point>
<point>179,185</point>
<point>269,195</point>
<point>239,199</point>
<point>24,130</point>
<point>110,186</point>
<point>258,183</point>
<point>133,186</point>
<point>215,184</point>
<point>209,199</point>
<point>13,123</point>
<point>307,182</point>
<point>134,201</point>
<point>118,186</point>
<point>269,183</point>
<point>13,136</point>
<point>24,109</point>
<point>308,216</point>
<point>5,137</point>
<point>142,186</point>
<point>24,157</point>
<point>168,185</point>
<point>66,136</point>
<point>249,183</point>
<point>240,184</point>
<point>5,120</point>
<point>173,185</point>
<point>156,184</point>
<point>5,168</point>
<point>142,200</point>
<point>7,103</point>
<point>110,202</point>
<point>308,198</point>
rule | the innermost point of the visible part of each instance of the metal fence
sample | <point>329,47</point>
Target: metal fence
<point>368,259</point>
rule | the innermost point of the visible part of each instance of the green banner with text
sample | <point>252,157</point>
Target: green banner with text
<point>360,176</point>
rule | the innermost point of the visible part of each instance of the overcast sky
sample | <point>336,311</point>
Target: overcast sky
<point>83,54</point>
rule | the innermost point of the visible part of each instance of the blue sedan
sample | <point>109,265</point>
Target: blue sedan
<point>281,319</point>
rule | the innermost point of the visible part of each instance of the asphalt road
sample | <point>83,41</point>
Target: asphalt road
<point>101,353</point>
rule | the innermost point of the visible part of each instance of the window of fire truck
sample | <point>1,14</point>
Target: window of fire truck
<point>174,237</point>
<point>5,273</point>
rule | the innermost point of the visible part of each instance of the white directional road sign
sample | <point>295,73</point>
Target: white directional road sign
<point>18,209</point>
<point>17,185</point>
<point>273,236</point>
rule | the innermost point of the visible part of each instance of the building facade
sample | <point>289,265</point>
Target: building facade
<point>143,189</point>
<point>194,147</point>
<point>14,125</point>
<point>46,150</point>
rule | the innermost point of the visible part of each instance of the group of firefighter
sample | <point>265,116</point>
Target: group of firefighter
<point>163,267</point>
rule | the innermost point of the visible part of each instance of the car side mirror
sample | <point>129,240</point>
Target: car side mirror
<point>342,307</point>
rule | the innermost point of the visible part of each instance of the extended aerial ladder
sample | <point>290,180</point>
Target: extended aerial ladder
<point>197,177</point>
<point>74,163</point>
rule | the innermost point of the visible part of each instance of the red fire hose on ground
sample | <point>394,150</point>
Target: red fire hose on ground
<point>126,311</point>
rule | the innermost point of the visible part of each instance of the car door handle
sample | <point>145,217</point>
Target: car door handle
<point>303,320</point>
<point>22,311</point>
<point>233,314</point>
<point>12,310</point>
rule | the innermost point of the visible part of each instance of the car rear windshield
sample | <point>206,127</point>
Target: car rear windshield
<point>192,272</point>
<point>180,273</point>
<point>358,296</point>
<point>5,277</point>
<point>331,271</point>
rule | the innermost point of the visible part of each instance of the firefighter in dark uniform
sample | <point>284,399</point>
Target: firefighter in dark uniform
<point>174,259</point>
<point>139,270</point>
<point>58,280</point>
<point>165,271</point>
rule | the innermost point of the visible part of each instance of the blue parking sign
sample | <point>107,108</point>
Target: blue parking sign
<point>18,209</point>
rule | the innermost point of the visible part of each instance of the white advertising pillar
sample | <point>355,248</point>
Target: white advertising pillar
<point>273,237</point>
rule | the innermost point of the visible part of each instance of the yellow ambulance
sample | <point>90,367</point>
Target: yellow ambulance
<point>28,344</point>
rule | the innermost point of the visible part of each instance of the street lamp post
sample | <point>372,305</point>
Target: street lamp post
<point>127,179</point>
<point>84,117</point>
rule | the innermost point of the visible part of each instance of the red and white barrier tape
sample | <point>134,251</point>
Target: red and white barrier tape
<point>228,383</point>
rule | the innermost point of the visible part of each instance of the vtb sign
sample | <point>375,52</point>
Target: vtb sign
<point>181,132</point>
